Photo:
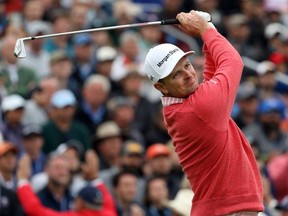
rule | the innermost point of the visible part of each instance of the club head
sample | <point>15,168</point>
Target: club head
<point>19,50</point>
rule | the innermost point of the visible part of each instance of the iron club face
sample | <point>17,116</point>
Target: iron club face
<point>19,50</point>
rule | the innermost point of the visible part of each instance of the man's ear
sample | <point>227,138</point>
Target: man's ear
<point>161,87</point>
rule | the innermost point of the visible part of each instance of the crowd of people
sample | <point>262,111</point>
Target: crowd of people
<point>82,126</point>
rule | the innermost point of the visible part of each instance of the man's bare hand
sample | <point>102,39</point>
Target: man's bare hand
<point>24,167</point>
<point>90,167</point>
<point>193,23</point>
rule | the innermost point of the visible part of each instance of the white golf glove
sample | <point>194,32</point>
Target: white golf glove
<point>206,16</point>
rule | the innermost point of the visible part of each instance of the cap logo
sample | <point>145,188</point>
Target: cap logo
<point>165,59</point>
<point>151,78</point>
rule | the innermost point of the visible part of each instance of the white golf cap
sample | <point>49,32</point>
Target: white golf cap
<point>12,102</point>
<point>161,60</point>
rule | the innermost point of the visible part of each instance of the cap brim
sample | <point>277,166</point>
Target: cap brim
<point>170,69</point>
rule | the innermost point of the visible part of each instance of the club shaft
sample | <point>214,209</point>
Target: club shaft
<point>96,29</point>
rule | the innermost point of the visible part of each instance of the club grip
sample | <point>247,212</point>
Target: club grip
<point>170,22</point>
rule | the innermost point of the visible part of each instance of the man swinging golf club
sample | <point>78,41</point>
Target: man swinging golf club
<point>214,153</point>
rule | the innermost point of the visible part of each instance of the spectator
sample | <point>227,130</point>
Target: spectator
<point>125,190</point>
<point>248,101</point>
<point>132,158</point>
<point>128,58</point>
<point>72,151</point>
<point>62,126</point>
<point>17,79</point>
<point>56,195</point>
<point>36,108</point>
<point>157,130</point>
<point>276,170</point>
<point>108,143</point>
<point>105,56</point>
<point>267,133</point>
<point>267,82</point>
<point>122,111</point>
<point>7,165</point>
<point>90,172</point>
<point>60,23</point>
<point>61,68</point>
<point>83,59</point>
<point>131,84</point>
<point>150,36</point>
<point>33,143</point>
<point>92,109</point>
<point>13,107</point>
<point>158,159</point>
<point>11,205</point>
<point>37,59</point>
<point>88,202</point>
<point>123,12</point>
<point>79,14</point>
<point>33,11</point>
<point>238,33</point>
<point>156,197</point>
<point>177,169</point>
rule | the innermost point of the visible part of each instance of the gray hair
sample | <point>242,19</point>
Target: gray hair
<point>127,36</point>
<point>98,79</point>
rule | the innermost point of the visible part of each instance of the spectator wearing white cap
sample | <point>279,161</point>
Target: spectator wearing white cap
<point>12,107</point>
<point>266,71</point>
<point>37,58</point>
<point>62,126</point>
<point>105,56</point>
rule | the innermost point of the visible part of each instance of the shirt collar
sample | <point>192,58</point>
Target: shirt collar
<point>167,101</point>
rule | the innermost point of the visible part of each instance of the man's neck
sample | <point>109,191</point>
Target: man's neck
<point>7,176</point>
<point>124,205</point>
<point>57,190</point>
<point>63,125</point>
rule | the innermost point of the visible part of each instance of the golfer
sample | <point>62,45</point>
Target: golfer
<point>214,153</point>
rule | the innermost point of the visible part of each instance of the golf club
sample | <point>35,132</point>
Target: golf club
<point>20,52</point>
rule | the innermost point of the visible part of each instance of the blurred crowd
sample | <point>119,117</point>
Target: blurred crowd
<point>83,111</point>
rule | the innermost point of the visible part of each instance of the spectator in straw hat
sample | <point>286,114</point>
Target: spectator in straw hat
<point>108,143</point>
